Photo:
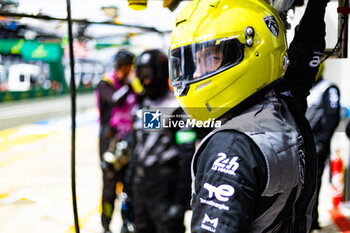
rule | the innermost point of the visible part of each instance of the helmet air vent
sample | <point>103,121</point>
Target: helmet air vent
<point>203,85</point>
<point>208,107</point>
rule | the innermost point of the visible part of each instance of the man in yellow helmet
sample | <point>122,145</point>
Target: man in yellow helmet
<point>228,61</point>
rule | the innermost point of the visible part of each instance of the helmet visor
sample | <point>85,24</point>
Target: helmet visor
<point>199,61</point>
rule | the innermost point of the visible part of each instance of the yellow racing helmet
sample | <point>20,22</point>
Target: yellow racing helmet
<point>224,51</point>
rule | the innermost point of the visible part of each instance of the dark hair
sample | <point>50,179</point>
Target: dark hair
<point>123,57</point>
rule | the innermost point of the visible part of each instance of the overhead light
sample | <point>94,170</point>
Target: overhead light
<point>137,4</point>
<point>111,11</point>
<point>171,4</point>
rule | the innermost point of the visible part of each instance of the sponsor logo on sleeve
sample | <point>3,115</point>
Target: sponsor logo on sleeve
<point>221,193</point>
<point>214,204</point>
<point>225,165</point>
<point>316,59</point>
<point>209,224</point>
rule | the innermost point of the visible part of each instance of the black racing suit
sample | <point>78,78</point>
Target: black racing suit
<point>159,171</point>
<point>236,199</point>
<point>323,114</point>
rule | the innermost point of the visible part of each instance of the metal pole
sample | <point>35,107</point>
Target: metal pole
<point>345,32</point>
<point>73,113</point>
<point>343,18</point>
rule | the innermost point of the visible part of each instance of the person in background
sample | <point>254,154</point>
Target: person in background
<point>347,129</point>
<point>158,183</point>
<point>116,100</point>
<point>229,62</point>
<point>323,114</point>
